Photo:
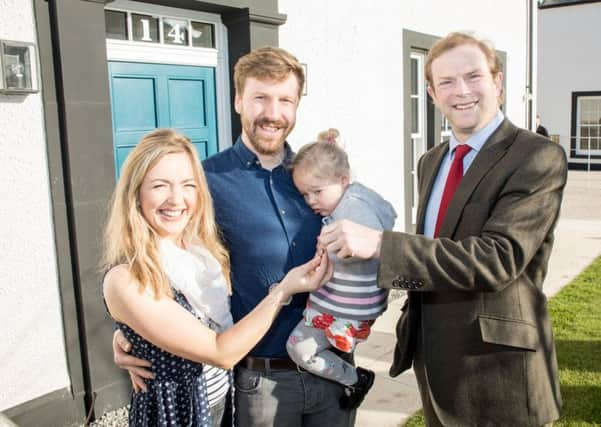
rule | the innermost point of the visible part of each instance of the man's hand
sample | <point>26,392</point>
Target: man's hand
<point>135,366</point>
<point>347,239</point>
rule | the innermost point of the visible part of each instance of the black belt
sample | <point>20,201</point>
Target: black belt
<point>266,364</point>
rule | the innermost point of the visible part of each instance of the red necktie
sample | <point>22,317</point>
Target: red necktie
<point>453,179</point>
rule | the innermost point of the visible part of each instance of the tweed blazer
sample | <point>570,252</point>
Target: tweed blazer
<point>475,293</point>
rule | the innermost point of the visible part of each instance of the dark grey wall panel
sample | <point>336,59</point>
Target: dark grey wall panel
<point>86,137</point>
<point>63,407</point>
<point>412,40</point>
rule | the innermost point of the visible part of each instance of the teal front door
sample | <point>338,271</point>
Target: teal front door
<point>149,96</point>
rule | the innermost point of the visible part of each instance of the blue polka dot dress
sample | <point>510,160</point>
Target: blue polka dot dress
<point>178,394</point>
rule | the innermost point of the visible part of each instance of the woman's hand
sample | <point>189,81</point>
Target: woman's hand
<point>307,277</point>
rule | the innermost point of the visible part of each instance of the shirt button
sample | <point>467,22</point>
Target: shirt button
<point>293,243</point>
<point>283,212</point>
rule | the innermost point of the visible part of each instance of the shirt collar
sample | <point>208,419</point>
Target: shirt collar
<point>248,158</point>
<point>477,140</point>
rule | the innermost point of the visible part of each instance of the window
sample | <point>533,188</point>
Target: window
<point>445,129</point>
<point>123,25</point>
<point>417,96</point>
<point>586,123</point>
<point>115,24</point>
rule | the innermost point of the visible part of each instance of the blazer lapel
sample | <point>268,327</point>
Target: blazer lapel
<point>429,171</point>
<point>489,155</point>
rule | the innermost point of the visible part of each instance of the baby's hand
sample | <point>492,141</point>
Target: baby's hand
<point>319,250</point>
<point>317,257</point>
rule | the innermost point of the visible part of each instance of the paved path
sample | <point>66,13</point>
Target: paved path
<point>577,243</point>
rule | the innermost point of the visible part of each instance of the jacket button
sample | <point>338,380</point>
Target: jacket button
<point>396,283</point>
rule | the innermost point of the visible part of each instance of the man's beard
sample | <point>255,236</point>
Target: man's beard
<point>271,146</point>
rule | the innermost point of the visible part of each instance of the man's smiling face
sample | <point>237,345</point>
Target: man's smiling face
<point>267,111</point>
<point>464,89</point>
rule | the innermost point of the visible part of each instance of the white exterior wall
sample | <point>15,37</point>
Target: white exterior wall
<point>32,354</point>
<point>568,61</point>
<point>354,53</point>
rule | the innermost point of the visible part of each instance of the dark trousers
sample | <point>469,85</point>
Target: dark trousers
<point>422,383</point>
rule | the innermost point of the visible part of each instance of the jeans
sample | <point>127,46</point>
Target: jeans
<point>288,399</point>
<point>221,412</point>
<point>217,411</point>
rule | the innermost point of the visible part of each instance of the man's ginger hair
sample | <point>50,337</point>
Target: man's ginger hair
<point>268,62</point>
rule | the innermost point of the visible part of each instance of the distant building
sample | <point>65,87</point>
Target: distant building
<point>569,88</point>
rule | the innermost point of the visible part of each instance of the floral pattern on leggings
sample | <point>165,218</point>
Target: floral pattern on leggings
<point>343,334</point>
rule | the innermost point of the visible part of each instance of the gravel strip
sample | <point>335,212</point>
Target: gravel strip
<point>116,418</point>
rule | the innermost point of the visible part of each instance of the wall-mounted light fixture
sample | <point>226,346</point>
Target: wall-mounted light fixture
<point>18,67</point>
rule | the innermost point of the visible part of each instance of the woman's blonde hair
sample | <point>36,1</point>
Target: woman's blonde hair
<point>128,237</point>
<point>324,159</point>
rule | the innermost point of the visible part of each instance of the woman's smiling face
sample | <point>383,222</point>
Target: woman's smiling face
<point>168,195</point>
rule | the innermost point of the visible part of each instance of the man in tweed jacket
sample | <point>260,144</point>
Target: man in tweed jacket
<point>475,326</point>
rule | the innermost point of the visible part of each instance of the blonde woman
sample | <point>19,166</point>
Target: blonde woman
<point>167,285</point>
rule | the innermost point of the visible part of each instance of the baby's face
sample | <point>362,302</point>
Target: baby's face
<point>322,195</point>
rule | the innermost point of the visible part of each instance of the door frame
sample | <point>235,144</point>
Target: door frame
<point>132,51</point>
<point>422,131</point>
<point>415,42</point>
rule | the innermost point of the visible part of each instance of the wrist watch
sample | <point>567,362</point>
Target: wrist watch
<point>273,286</point>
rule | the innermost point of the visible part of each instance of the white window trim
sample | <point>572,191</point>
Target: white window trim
<point>581,151</point>
<point>421,95</point>
<point>421,129</point>
<point>131,51</point>
<point>445,131</point>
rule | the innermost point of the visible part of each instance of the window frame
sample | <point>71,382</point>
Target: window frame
<point>575,151</point>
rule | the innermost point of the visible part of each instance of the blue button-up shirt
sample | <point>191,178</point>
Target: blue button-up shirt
<point>268,229</point>
<point>476,141</point>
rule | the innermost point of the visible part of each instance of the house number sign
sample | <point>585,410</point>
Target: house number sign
<point>158,29</point>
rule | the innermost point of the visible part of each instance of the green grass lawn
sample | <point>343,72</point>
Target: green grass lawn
<point>576,316</point>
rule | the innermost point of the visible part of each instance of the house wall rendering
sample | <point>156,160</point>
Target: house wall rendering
<point>354,54</point>
<point>568,63</point>
<point>32,353</point>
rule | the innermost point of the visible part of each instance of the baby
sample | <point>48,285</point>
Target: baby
<point>340,314</point>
